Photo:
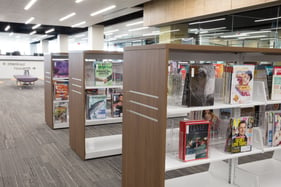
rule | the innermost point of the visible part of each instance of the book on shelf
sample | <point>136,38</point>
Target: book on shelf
<point>269,75</point>
<point>276,139</point>
<point>61,90</point>
<point>60,112</point>
<point>96,107</point>
<point>60,69</point>
<point>194,140</point>
<point>242,84</point>
<point>276,83</point>
<point>199,85</point>
<point>103,73</point>
<point>268,128</point>
<point>89,74</point>
<point>240,135</point>
<point>219,81</point>
<point>116,105</point>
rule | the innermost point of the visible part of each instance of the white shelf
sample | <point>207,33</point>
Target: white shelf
<point>200,180</point>
<point>59,101</point>
<point>60,78</point>
<point>60,125</point>
<point>263,173</point>
<point>179,111</point>
<point>103,146</point>
<point>216,153</point>
<point>268,102</point>
<point>103,87</point>
<point>268,149</point>
<point>107,120</point>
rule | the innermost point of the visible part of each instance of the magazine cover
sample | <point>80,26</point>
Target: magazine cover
<point>242,84</point>
<point>276,140</point>
<point>116,104</point>
<point>96,106</point>
<point>60,112</point>
<point>117,73</point>
<point>276,83</point>
<point>240,135</point>
<point>60,69</point>
<point>89,74</point>
<point>61,90</point>
<point>193,140</point>
<point>201,85</point>
<point>269,74</point>
<point>103,74</point>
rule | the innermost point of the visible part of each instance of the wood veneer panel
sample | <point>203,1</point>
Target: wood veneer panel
<point>48,90</point>
<point>77,104</point>
<point>145,71</point>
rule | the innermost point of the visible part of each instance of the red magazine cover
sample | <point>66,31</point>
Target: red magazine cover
<point>194,139</point>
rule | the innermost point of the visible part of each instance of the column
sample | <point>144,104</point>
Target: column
<point>96,37</point>
<point>44,46</point>
<point>173,33</point>
<point>63,43</point>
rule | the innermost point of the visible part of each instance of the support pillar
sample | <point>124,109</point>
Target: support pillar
<point>96,37</point>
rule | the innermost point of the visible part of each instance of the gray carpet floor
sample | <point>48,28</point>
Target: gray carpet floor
<point>31,154</point>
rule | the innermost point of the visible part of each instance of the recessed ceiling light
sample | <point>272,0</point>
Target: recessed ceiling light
<point>7,28</point>
<point>29,20</point>
<point>78,1</point>
<point>50,30</point>
<point>103,10</point>
<point>36,26</point>
<point>33,32</point>
<point>30,4</point>
<point>135,23</point>
<point>138,29</point>
<point>78,24</point>
<point>67,16</point>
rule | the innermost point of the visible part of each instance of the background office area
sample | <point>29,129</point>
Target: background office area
<point>135,41</point>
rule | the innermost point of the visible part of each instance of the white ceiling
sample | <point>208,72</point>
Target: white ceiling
<point>48,12</point>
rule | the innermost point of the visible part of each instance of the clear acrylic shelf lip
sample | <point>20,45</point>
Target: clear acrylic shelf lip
<point>107,120</point>
<point>60,125</point>
<point>103,87</point>
<point>216,153</point>
<point>60,78</point>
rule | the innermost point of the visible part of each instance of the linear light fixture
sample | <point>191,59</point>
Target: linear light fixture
<point>36,26</point>
<point>78,1</point>
<point>138,29</point>
<point>33,32</point>
<point>7,28</point>
<point>11,34</point>
<point>135,23</point>
<point>266,19</point>
<point>103,10</point>
<point>251,37</point>
<point>50,30</point>
<point>67,16</point>
<point>30,4</point>
<point>207,21</point>
<point>29,20</point>
<point>111,31</point>
<point>121,35</point>
<point>78,24</point>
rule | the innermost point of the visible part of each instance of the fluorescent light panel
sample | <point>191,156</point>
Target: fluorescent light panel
<point>29,20</point>
<point>11,34</point>
<point>266,19</point>
<point>207,21</point>
<point>78,24</point>
<point>138,29</point>
<point>33,32</point>
<point>36,26</point>
<point>50,30</point>
<point>111,31</point>
<point>67,16</point>
<point>7,28</point>
<point>251,37</point>
<point>135,23</point>
<point>78,1</point>
<point>30,4</point>
<point>103,10</point>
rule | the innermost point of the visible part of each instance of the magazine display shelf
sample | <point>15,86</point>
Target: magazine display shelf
<point>145,159</point>
<point>93,147</point>
<point>49,88</point>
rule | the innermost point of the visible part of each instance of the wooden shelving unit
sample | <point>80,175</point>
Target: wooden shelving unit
<point>93,147</point>
<point>49,60</point>
<point>145,159</point>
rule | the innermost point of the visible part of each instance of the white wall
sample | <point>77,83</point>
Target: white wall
<point>10,44</point>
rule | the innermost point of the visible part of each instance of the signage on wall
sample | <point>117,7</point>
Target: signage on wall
<point>10,68</point>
